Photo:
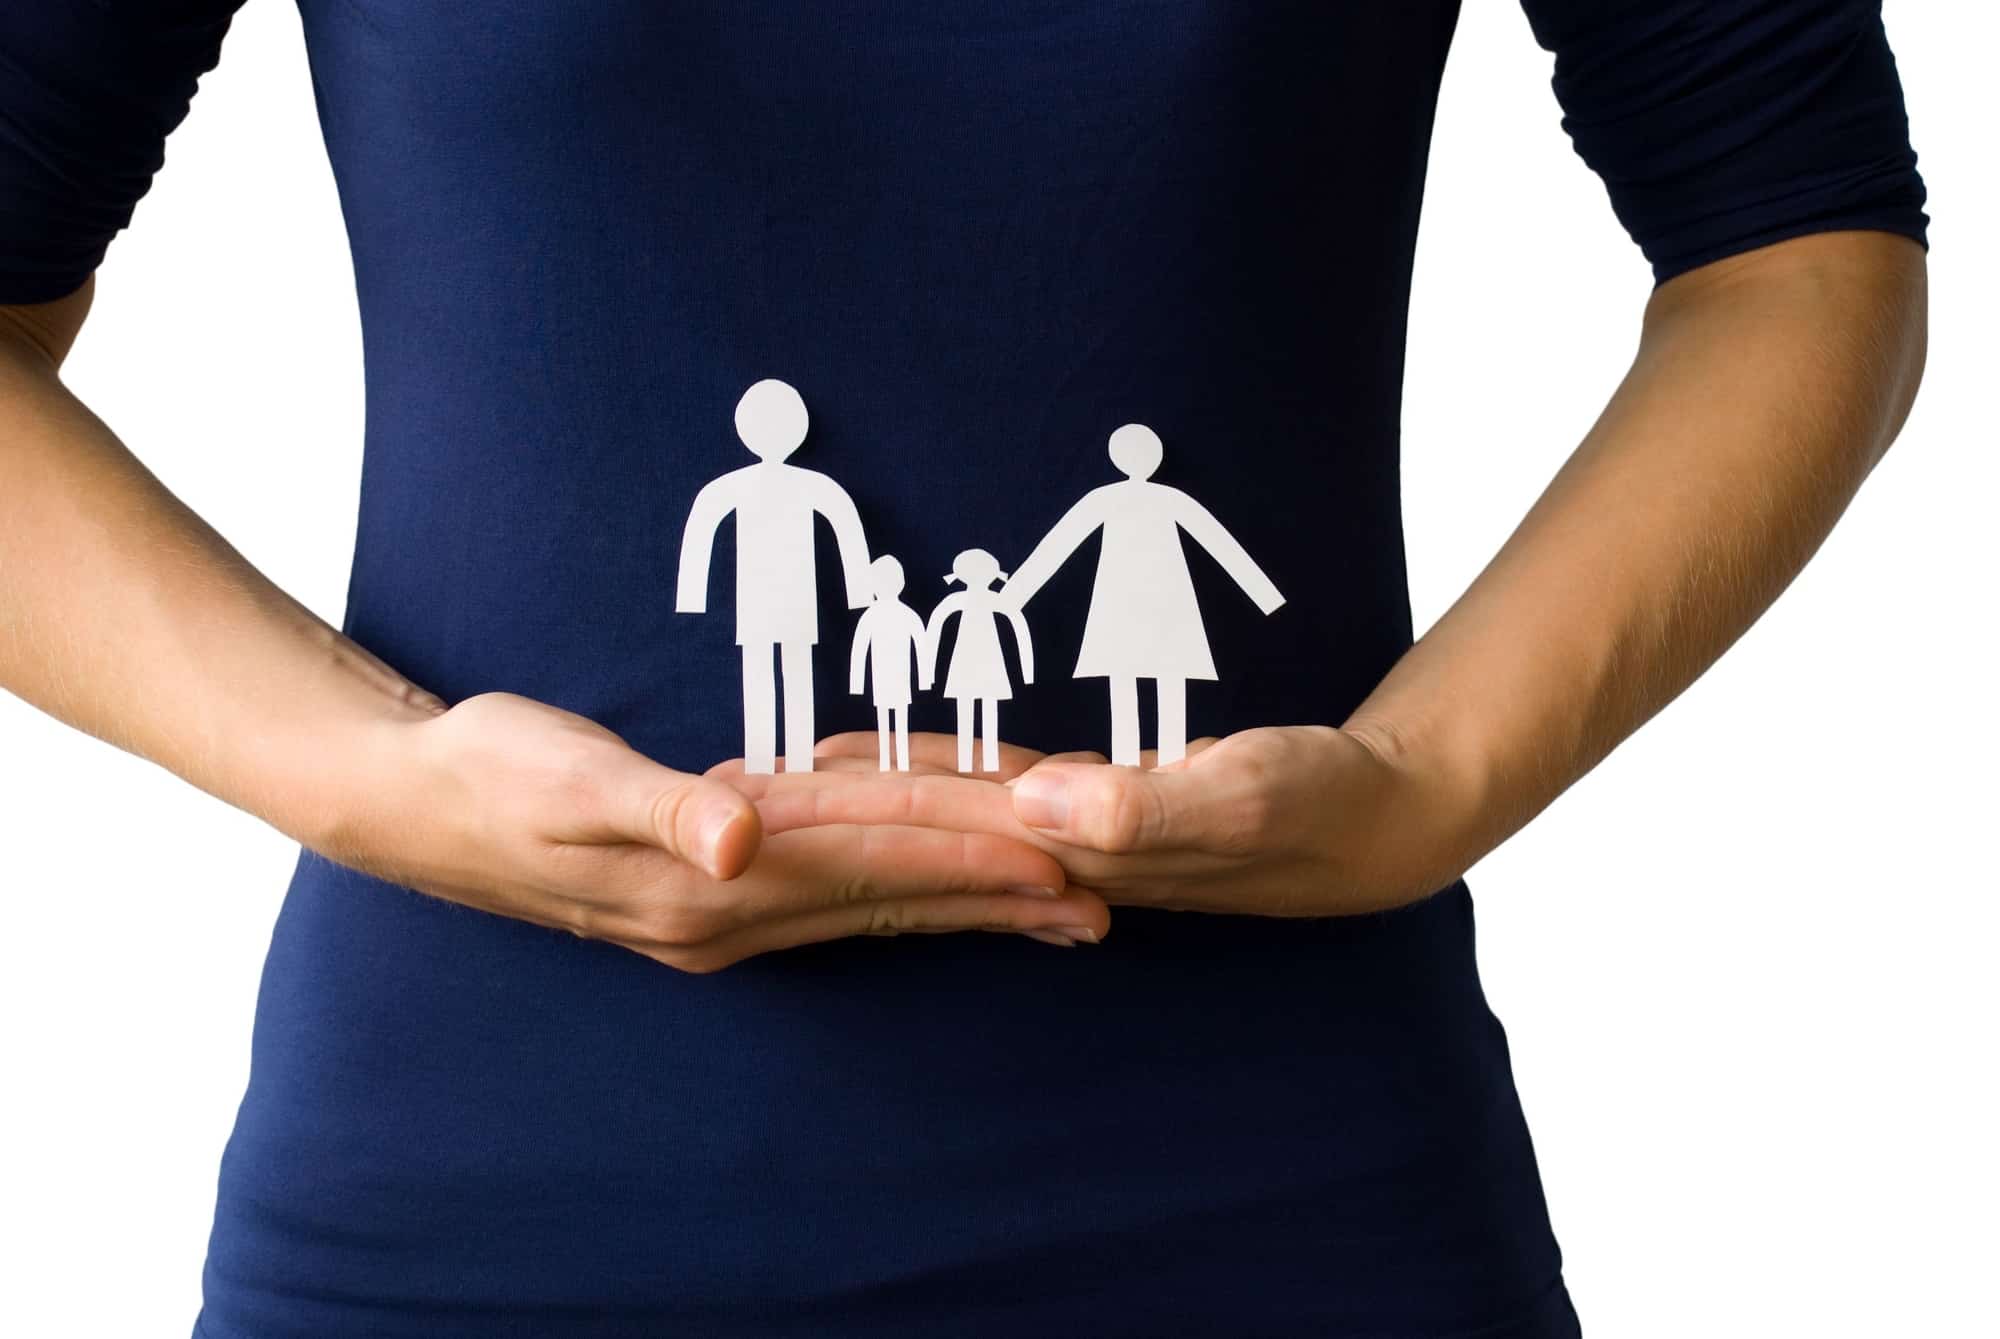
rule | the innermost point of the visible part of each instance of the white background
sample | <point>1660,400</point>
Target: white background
<point>1747,966</point>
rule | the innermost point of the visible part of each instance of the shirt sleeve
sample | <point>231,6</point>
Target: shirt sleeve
<point>1722,125</point>
<point>89,91</point>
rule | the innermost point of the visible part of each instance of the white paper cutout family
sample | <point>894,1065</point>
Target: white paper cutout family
<point>1144,621</point>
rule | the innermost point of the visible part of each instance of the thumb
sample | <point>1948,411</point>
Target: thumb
<point>1115,810</point>
<point>706,823</point>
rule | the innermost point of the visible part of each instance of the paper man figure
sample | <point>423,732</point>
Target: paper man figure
<point>777,596</point>
<point>1144,621</point>
<point>978,673</point>
<point>889,636</point>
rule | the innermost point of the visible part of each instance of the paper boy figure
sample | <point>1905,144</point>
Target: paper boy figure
<point>889,636</point>
<point>777,597</point>
<point>978,670</point>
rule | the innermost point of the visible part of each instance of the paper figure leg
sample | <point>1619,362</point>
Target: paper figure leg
<point>1125,720</point>
<point>796,660</point>
<point>882,715</point>
<point>902,715</point>
<point>965,709</point>
<point>760,712</point>
<point>990,750</point>
<point>1173,720</point>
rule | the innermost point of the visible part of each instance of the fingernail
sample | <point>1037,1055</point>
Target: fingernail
<point>1082,933</point>
<point>714,826</point>
<point>1042,801</point>
<point>1057,938</point>
<point>1033,890</point>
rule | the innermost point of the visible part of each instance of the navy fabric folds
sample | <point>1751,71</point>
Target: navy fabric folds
<point>1719,127</point>
<point>89,92</point>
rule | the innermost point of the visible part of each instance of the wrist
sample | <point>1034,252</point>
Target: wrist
<point>343,754</point>
<point>1442,798</point>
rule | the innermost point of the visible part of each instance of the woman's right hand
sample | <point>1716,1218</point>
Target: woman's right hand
<point>523,809</point>
<point>198,662</point>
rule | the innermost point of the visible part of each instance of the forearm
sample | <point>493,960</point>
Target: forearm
<point>1764,390</point>
<point>125,615</point>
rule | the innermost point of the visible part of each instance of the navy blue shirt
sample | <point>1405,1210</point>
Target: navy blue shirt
<point>977,235</point>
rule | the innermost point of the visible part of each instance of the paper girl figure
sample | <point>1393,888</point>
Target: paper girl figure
<point>978,673</point>
<point>1144,621</point>
<point>777,596</point>
<point>889,636</point>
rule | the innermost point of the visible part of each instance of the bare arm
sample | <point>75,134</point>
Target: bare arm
<point>125,615</point>
<point>1765,388</point>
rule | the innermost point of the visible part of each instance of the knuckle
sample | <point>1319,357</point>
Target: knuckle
<point>578,919</point>
<point>1247,823</point>
<point>1122,817</point>
<point>851,889</point>
<point>703,963</point>
<point>570,777</point>
<point>883,918</point>
<point>663,812</point>
<point>678,925</point>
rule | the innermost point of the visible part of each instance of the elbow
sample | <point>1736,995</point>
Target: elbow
<point>1905,344</point>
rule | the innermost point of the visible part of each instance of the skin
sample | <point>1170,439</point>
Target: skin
<point>1765,388</point>
<point>125,615</point>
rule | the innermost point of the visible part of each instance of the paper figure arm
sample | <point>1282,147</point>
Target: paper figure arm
<point>711,504</point>
<point>1077,525</point>
<point>934,635</point>
<point>1206,531</point>
<point>1021,636</point>
<point>919,635</point>
<point>831,501</point>
<point>857,663</point>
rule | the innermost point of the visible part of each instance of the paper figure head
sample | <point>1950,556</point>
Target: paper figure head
<point>885,578</point>
<point>771,420</point>
<point>976,568</point>
<point>1136,451</point>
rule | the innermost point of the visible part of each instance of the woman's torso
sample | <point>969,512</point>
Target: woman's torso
<point>977,237</point>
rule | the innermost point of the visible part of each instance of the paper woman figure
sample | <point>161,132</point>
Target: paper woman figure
<point>1144,621</point>
<point>978,674</point>
<point>777,597</point>
<point>889,636</point>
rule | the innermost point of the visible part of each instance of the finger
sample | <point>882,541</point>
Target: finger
<point>710,825</point>
<point>835,865</point>
<point>949,802</point>
<point>929,749</point>
<point>1116,810</point>
<point>1078,755</point>
<point>842,864</point>
<point>1079,919</point>
<point>1150,758</point>
<point>868,766</point>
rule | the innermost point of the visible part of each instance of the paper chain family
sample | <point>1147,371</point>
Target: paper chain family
<point>1144,621</point>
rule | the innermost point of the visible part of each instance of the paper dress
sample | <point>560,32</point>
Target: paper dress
<point>1144,620</point>
<point>978,671</point>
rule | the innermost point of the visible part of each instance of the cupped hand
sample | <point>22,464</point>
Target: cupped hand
<point>522,809</point>
<point>1279,821</point>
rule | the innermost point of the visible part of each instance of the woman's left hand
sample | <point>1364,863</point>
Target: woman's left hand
<point>1277,821</point>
